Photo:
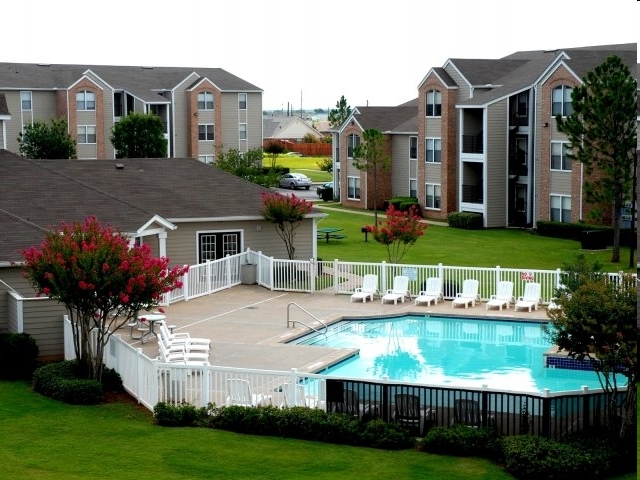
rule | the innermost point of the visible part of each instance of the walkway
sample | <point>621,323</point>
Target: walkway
<point>247,324</point>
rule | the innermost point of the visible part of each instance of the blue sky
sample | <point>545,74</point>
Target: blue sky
<point>308,53</point>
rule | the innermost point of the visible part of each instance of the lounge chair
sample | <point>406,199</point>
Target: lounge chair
<point>183,338</point>
<point>239,393</point>
<point>175,354</point>
<point>503,297</point>
<point>432,292</point>
<point>399,291</point>
<point>531,297</point>
<point>369,289</point>
<point>469,294</point>
<point>467,412</point>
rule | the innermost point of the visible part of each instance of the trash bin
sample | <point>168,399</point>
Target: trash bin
<point>248,273</point>
<point>327,194</point>
<point>594,239</point>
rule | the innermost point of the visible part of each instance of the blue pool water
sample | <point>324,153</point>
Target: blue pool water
<point>449,351</point>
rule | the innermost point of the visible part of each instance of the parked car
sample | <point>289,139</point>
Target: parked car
<point>323,187</point>
<point>295,180</point>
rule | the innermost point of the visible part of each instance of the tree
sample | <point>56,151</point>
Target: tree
<point>247,165</point>
<point>286,213</point>
<point>39,140</point>
<point>274,149</point>
<point>602,133</point>
<point>338,115</point>
<point>102,280</point>
<point>399,232</point>
<point>372,156</point>
<point>139,136</point>
<point>595,319</point>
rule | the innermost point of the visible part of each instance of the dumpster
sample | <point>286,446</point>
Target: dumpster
<point>594,239</point>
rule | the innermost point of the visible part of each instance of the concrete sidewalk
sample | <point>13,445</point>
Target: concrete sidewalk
<point>247,324</point>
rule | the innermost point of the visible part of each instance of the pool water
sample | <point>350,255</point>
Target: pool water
<point>447,351</point>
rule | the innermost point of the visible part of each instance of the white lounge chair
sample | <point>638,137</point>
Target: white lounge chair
<point>182,345</point>
<point>183,337</point>
<point>369,289</point>
<point>180,355</point>
<point>503,297</point>
<point>399,291</point>
<point>239,393</point>
<point>432,292</point>
<point>294,395</point>
<point>469,294</point>
<point>531,297</point>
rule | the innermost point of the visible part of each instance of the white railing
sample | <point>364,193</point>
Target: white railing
<point>344,277</point>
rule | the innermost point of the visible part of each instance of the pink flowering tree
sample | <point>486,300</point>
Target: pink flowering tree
<point>399,232</point>
<point>101,278</point>
<point>285,212</point>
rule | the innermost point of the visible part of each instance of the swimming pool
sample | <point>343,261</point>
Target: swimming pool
<point>449,351</point>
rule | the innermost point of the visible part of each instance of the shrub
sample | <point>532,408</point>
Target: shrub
<point>297,422</point>
<point>18,353</point>
<point>61,381</point>
<point>403,204</point>
<point>529,457</point>
<point>464,441</point>
<point>465,220</point>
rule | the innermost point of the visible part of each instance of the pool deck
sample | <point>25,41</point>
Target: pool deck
<point>247,324</point>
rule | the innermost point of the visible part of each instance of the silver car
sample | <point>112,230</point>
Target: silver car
<point>295,180</point>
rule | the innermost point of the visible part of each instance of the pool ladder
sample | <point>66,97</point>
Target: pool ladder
<point>292,323</point>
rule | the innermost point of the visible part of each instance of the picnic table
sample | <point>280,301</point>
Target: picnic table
<point>330,232</point>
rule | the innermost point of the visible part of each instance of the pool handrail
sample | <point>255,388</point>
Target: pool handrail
<point>293,322</point>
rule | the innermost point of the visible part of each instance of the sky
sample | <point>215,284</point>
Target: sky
<point>305,53</point>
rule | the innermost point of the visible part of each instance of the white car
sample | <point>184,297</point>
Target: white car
<point>295,180</point>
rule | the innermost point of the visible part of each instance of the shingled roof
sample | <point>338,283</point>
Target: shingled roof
<point>39,194</point>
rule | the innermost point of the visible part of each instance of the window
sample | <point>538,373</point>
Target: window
<point>242,101</point>
<point>353,188</point>
<point>206,158</point>
<point>433,149</point>
<point>560,208</point>
<point>243,131</point>
<point>205,101</point>
<point>86,134</point>
<point>434,103</point>
<point>205,131</point>
<point>217,245</point>
<point>25,100</point>
<point>559,158</point>
<point>353,141</point>
<point>413,188</point>
<point>561,101</point>
<point>413,147</point>
<point>433,195</point>
<point>86,100</point>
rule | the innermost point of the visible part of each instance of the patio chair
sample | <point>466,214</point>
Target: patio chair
<point>432,292</point>
<point>181,345</point>
<point>467,412</point>
<point>469,294</point>
<point>399,291</point>
<point>350,404</point>
<point>503,297</point>
<point>407,412</point>
<point>294,395</point>
<point>531,297</point>
<point>369,289</point>
<point>239,393</point>
<point>193,343</point>
<point>176,355</point>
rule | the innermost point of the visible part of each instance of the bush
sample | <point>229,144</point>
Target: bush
<point>573,231</point>
<point>18,353</point>
<point>529,457</point>
<point>297,422</point>
<point>464,441</point>
<point>465,220</point>
<point>403,203</point>
<point>61,381</point>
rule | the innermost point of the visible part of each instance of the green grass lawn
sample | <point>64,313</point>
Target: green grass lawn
<point>510,248</point>
<point>306,165</point>
<point>43,439</point>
